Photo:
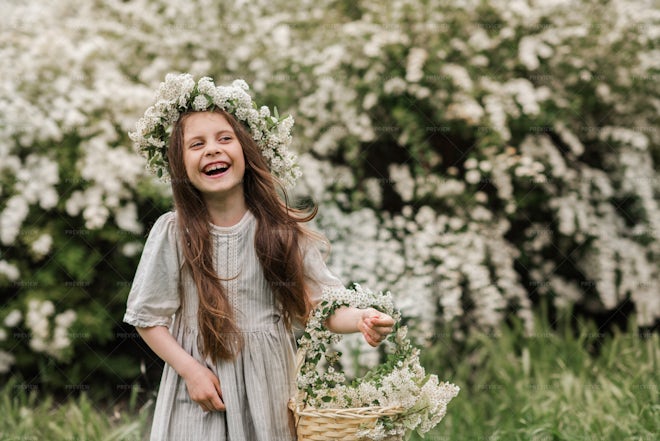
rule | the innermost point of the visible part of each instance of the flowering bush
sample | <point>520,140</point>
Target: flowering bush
<point>400,382</point>
<point>479,156</point>
<point>491,156</point>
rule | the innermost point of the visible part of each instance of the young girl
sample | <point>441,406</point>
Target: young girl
<point>223,278</point>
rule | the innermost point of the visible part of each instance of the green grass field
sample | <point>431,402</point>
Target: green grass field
<point>29,416</point>
<point>553,385</point>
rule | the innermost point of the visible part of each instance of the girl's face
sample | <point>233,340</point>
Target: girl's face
<point>212,155</point>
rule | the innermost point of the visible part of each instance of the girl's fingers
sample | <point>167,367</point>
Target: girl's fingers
<point>373,337</point>
<point>383,328</point>
<point>376,326</point>
<point>216,384</point>
<point>212,404</point>
<point>383,321</point>
<point>217,404</point>
<point>371,341</point>
<point>206,391</point>
<point>366,332</point>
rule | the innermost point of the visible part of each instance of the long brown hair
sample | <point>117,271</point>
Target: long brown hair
<point>277,242</point>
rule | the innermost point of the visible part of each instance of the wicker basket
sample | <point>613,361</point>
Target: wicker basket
<point>333,424</point>
<point>328,424</point>
<point>336,424</point>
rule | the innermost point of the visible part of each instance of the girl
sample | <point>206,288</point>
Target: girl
<point>223,278</point>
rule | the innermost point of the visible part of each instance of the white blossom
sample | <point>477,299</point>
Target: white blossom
<point>9,270</point>
<point>11,218</point>
<point>415,64</point>
<point>42,245</point>
<point>66,82</point>
<point>13,318</point>
<point>6,361</point>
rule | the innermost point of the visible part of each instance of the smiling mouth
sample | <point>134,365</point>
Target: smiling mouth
<point>215,169</point>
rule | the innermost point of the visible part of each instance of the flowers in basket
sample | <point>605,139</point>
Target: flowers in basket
<point>400,382</point>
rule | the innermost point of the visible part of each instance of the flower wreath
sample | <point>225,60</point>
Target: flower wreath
<point>180,94</point>
<point>400,381</point>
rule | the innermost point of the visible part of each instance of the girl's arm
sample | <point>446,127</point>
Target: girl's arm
<point>373,324</point>
<point>202,384</point>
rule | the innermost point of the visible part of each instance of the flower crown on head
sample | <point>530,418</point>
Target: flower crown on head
<point>180,94</point>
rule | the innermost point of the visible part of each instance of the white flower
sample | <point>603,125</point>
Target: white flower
<point>95,216</point>
<point>400,174</point>
<point>205,86</point>
<point>47,308</point>
<point>42,245</point>
<point>12,217</point>
<point>13,318</point>
<point>394,86</point>
<point>415,64</point>
<point>127,218</point>
<point>459,76</point>
<point>66,318</point>
<point>529,51</point>
<point>6,361</point>
<point>131,249</point>
<point>473,176</point>
<point>10,271</point>
<point>200,103</point>
<point>38,344</point>
<point>48,198</point>
<point>60,341</point>
<point>470,163</point>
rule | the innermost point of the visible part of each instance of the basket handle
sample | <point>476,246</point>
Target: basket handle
<point>300,359</point>
<point>299,397</point>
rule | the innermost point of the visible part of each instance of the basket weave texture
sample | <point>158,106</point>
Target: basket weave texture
<point>336,424</point>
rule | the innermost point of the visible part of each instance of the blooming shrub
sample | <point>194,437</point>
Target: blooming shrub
<point>478,156</point>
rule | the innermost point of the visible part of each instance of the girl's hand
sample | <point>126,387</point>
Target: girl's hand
<point>375,326</point>
<point>204,388</point>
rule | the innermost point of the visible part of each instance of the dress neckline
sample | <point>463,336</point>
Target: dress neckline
<point>233,229</point>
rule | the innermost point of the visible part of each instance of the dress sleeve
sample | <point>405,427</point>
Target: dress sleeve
<point>317,274</point>
<point>154,295</point>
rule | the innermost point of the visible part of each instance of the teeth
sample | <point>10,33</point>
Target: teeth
<point>215,167</point>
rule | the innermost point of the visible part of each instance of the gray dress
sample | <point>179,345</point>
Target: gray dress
<point>257,384</point>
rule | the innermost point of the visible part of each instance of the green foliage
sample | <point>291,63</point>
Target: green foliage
<point>28,414</point>
<point>86,272</point>
<point>552,385</point>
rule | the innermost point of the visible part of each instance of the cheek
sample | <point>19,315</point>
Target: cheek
<point>240,159</point>
<point>189,162</point>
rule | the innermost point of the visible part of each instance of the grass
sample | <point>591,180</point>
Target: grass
<point>28,416</point>
<point>554,385</point>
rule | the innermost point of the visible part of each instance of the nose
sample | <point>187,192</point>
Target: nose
<point>212,149</point>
